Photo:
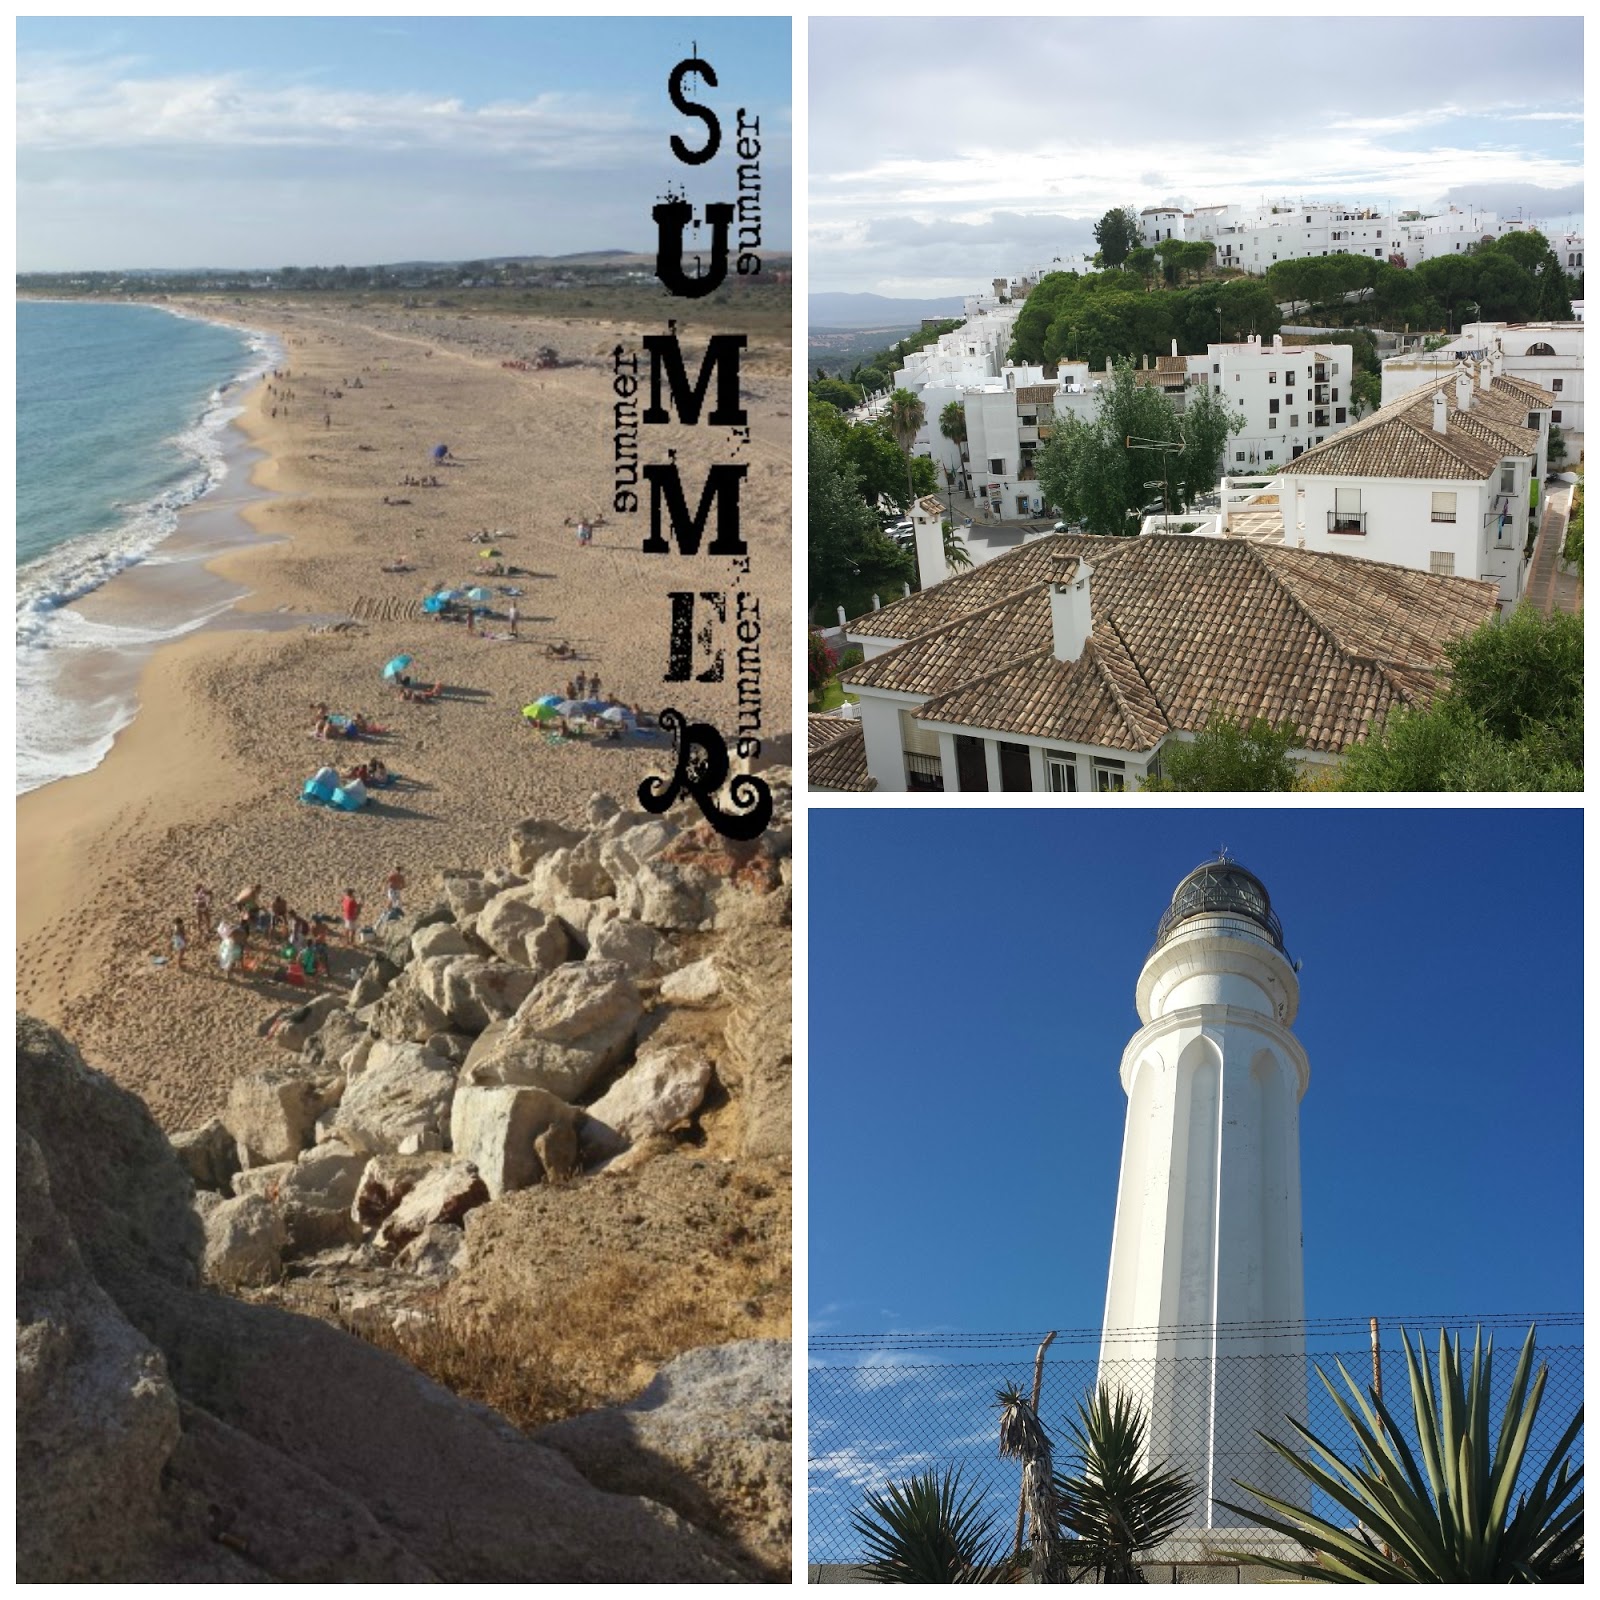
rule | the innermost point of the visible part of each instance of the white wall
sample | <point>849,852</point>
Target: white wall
<point>1251,376</point>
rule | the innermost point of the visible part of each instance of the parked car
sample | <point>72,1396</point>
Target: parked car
<point>903,534</point>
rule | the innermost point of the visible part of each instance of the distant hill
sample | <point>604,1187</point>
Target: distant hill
<point>876,310</point>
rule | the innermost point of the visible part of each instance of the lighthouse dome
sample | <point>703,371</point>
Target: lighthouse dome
<point>1221,887</point>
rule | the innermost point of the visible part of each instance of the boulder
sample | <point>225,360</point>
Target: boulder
<point>387,1179</point>
<point>471,991</point>
<point>401,1102</point>
<point>263,1182</point>
<point>444,1195</point>
<point>439,939</point>
<point>557,1150</point>
<point>583,918</point>
<point>435,1254</point>
<point>452,1046</point>
<point>600,808</point>
<point>210,1155</point>
<point>653,1095</point>
<point>392,938</point>
<point>293,1031</point>
<point>518,930</point>
<point>315,1198</point>
<point>465,893</point>
<point>271,1115</point>
<point>244,1243</point>
<point>663,894</point>
<point>643,951</point>
<point>375,977</point>
<point>532,839</point>
<point>625,851</point>
<point>339,1034</point>
<point>697,984</point>
<point>575,1024</point>
<point>495,1127</point>
<point>575,872</point>
<point>403,1012</point>
<point>712,1437</point>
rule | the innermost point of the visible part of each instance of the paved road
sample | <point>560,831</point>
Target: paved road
<point>1551,586</point>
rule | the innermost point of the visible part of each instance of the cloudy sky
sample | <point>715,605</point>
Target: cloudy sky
<point>271,142</point>
<point>946,153</point>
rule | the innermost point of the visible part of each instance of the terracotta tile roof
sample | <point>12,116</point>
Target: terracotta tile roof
<point>1399,440</point>
<point>1181,626</point>
<point>1524,389</point>
<point>1033,394</point>
<point>823,730</point>
<point>842,763</point>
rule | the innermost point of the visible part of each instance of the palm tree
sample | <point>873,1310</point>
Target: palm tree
<point>953,423</point>
<point>906,416</point>
<point>1023,1437</point>
<point>926,1530</point>
<point>1451,1520</point>
<point>1116,1506</point>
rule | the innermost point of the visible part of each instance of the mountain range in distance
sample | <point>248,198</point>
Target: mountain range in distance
<point>834,310</point>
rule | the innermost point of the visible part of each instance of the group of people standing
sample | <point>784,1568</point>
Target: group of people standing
<point>304,939</point>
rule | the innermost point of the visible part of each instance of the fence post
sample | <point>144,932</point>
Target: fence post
<point>1038,1378</point>
<point>1377,1365</point>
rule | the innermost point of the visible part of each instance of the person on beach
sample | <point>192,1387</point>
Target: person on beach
<point>395,884</point>
<point>572,690</point>
<point>511,617</point>
<point>320,963</point>
<point>350,910</point>
<point>230,951</point>
<point>582,681</point>
<point>280,916</point>
<point>594,687</point>
<point>202,906</point>
<point>180,942</point>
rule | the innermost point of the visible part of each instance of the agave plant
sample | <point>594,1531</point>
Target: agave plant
<point>1449,1520</point>
<point>1117,1506</point>
<point>927,1530</point>
<point>1023,1437</point>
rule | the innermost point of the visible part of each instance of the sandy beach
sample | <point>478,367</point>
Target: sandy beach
<point>203,787</point>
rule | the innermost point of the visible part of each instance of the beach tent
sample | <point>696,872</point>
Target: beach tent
<point>350,796</point>
<point>549,700</point>
<point>320,789</point>
<point>616,714</point>
<point>434,604</point>
<point>539,712</point>
<point>480,595</point>
<point>397,666</point>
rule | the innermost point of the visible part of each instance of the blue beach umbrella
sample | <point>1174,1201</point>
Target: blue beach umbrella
<point>397,666</point>
<point>480,595</point>
<point>549,700</point>
<point>440,451</point>
<point>434,604</point>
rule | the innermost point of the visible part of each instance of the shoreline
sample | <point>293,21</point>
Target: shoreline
<point>203,784</point>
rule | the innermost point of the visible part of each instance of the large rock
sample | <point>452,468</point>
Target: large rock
<point>401,1102</point>
<point>403,1012</point>
<point>375,977</point>
<point>627,850</point>
<point>473,992</point>
<point>244,1243</point>
<point>517,930</point>
<point>315,1198</point>
<point>445,1195</point>
<point>439,939</point>
<point>643,951</point>
<point>576,873</point>
<point>437,1252</point>
<point>578,1022</point>
<point>262,1181</point>
<point>293,1031</point>
<point>210,1155</point>
<point>495,1128</point>
<point>663,894</point>
<point>697,984</point>
<point>171,1435</point>
<point>466,893</point>
<point>712,1437</point>
<point>271,1115</point>
<point>339,1034</point>
<point>387,1179</point>
<point>533,839</point>
<point>653,1095</point>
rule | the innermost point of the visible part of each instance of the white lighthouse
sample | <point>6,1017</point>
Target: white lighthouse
<point>1206,1301</point>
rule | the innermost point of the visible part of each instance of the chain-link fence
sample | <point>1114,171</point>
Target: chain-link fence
<point>885,1407</point>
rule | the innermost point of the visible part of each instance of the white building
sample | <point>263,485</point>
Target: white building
<point>972,354</point>
<point>1290,397</point>
<point>1070,661</point>
<point>1548,355</point>
<point>1447,479</point>
<point>1207,1246</point>
<point>1252,238</point>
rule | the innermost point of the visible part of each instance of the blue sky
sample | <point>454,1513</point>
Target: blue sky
<point>264,142</point>
<point>938,162</point>
<point>972,991</point>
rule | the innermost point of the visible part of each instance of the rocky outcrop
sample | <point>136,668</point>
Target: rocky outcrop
<point>174,1435</point>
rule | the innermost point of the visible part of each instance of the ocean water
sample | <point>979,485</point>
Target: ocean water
<point>121,419</point>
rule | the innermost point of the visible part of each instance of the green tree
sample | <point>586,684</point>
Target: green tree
<point>849,558</point>
<point>1205,427</point>
<point>905,419</point>
<point>1086,469</point>
<point>1116,233</point>
<point>1142,260</point>
<point>835,392</point>
<point>953,422</point>
<point>1366,392</point>
<point>881,467</point>
<point>1521,674</point>
<point>872,379</point>
<point>1449,1518</point>
<point>1229,756</point>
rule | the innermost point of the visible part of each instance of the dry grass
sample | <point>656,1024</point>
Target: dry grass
<point>598,1345</point>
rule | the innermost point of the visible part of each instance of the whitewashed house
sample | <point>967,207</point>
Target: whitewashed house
<point>1446,480</point>
<point>1070,662</point>
<point>1290,397</point>
<point>1546,354</point>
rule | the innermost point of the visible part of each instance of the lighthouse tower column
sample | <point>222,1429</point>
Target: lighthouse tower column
<point>1205,1308</point>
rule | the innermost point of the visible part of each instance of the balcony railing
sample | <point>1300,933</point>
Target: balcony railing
<point>1347,522</point>
<point>924,774</point>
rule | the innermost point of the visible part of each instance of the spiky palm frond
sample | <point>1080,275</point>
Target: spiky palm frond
<point>926,1529</point>
<point>1448,1520</point>
<point>1116,1506</point>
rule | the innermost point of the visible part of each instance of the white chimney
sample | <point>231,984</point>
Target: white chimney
<point>1485,375</point>
<point>1174,347</point>
<point>1463,389</point>
<point>1277,341</point>
<point>1070,619</point>
<point>1439,412</point>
